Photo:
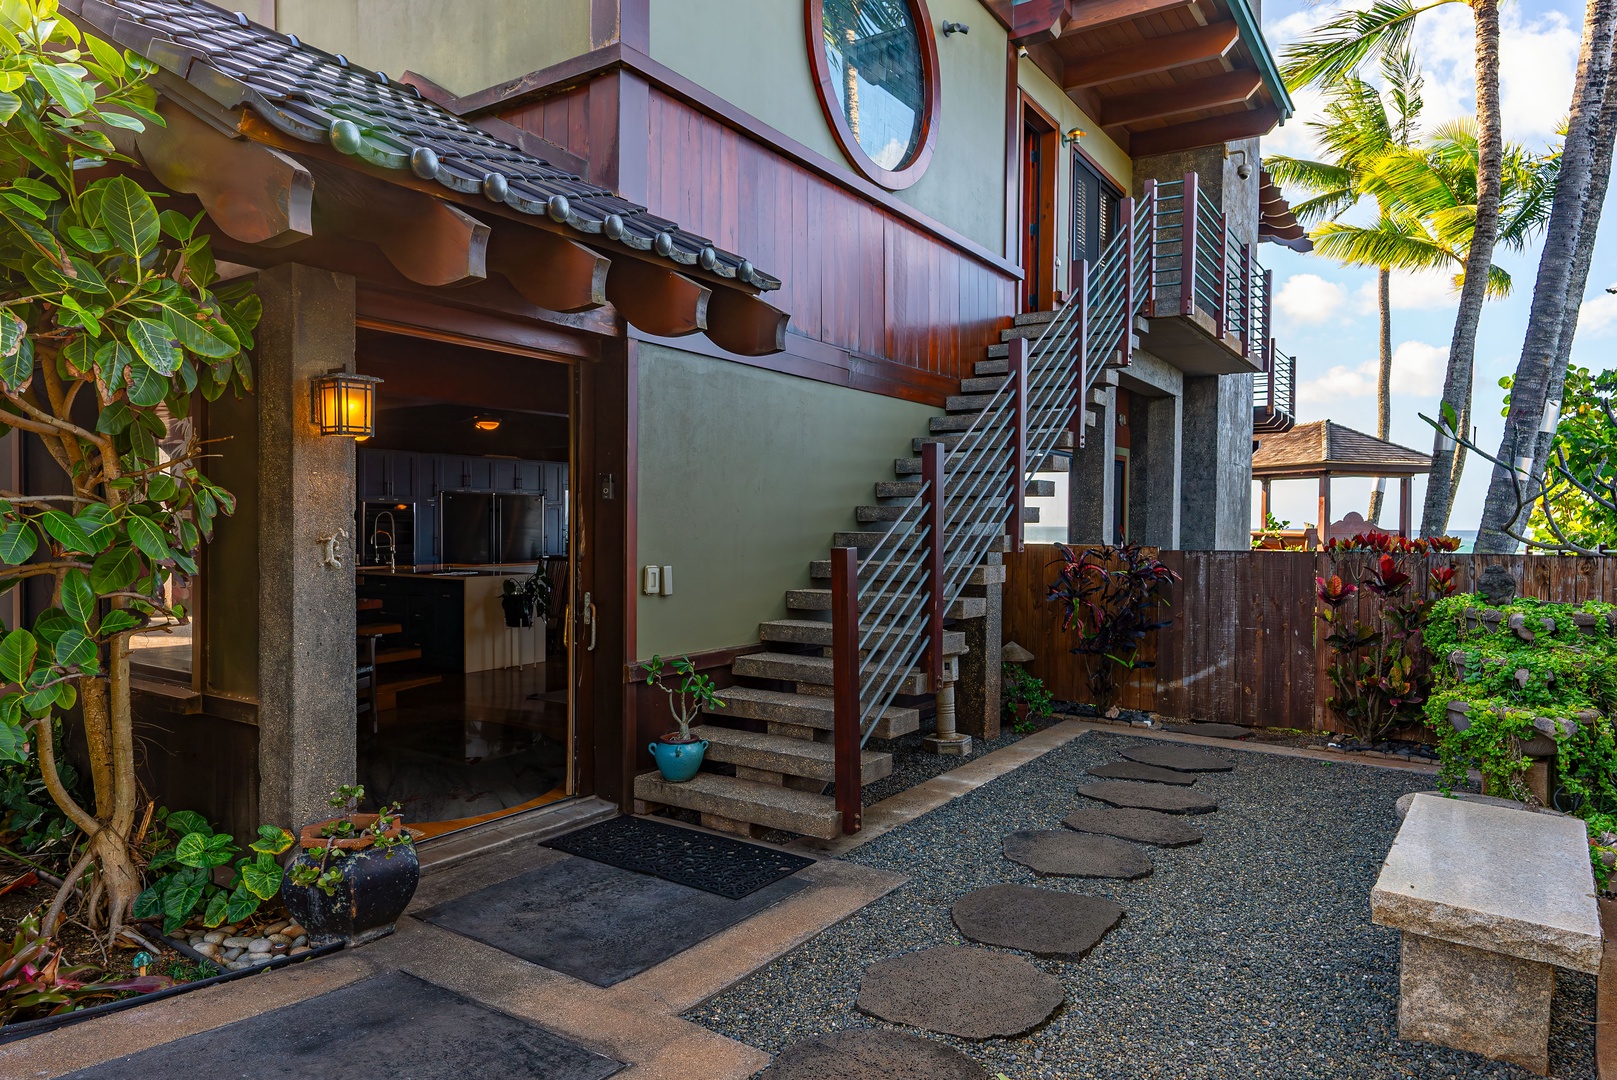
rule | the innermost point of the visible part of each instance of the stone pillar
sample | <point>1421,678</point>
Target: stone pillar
<point>306,719</point>
<point>1215,508</point>
<point>977,693</point>
<point>1470,999</point>
<point>1091,492</point>
<point>1154,471</point>
<point>1219,177</point>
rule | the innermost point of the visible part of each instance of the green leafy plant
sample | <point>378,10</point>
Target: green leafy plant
<point>31,823</point>
<point>185,880</point>
<point>343,836</point>
<point>526,599</point>
<point>689,694</point>
<point>1111,596</point>
<point>110,326</point>
<point>1020,687</point>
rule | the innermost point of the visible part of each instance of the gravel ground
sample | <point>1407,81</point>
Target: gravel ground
<point>1249,955</point>
<point>914,764</point>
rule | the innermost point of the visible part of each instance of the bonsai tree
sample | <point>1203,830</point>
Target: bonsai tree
<point>1110,595</point>
<point>109,325</point>
<point>692,695</point>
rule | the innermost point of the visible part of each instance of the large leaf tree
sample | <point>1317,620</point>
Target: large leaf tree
<point>110,330</point>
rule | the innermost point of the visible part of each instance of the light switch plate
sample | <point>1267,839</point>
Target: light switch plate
<point>668,581</point>
<point>653,581</point>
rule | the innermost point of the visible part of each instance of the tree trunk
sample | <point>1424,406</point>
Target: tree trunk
<point>1383,383</point>
<point>1551,297</point>
<point>1463,344</point>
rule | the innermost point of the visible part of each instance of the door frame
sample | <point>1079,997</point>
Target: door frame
<point>1038,164</point>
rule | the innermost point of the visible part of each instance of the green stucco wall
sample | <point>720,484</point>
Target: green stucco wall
<point>463,46</point>
<point>744,476</point>
<point>760,63</point>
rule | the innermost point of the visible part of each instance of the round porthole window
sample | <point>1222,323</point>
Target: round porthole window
<point>876,65</point>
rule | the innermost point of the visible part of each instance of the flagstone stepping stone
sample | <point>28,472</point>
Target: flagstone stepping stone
<point>957,990</point>
<point>1180,758</point>
<point>1044,922</point>
<point>1060,853</point>
<point>872,1054</point>
<point>1133,770</point>
<point>1148,797</point>
<point>1211,731</point>
<point>1141,826</point>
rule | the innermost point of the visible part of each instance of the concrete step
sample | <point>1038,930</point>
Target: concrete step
<point>1033,333</point>
<point>874,515</point>
<point>820,570</point>
<point>997,352</point>
<point>970,403</point>
<point>908,489</point>
<point>1041,489</point>
<point>963,421</point>
<point>1099,395</point>
<point>803,711</point>
<point>813,670</point>
<point>982,386</point>
<point>789,757</point>
<point>815,632</point>
<point>745,800</point>
<point>1035,318</point>
<point>911,466</point>
<point>966,607</point>
<point>950,440</point>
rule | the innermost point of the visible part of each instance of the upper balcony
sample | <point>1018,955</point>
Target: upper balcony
<point>1274,394</point>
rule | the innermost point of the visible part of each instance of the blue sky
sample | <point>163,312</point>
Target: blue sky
<point>1326,315</point>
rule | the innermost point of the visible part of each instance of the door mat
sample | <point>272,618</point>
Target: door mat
<point>393,1025</point>
<point>596,922</point>
<point>715,864</point>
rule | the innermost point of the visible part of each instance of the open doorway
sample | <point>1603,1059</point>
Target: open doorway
<point>463,527</point>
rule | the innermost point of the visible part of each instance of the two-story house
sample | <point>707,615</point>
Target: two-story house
<point>716,314</point>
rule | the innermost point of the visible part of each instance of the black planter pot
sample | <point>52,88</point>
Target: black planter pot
<point>518,610</point>
<point>376,888</point>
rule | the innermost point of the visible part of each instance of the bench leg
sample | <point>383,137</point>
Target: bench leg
<point>1606,995</point>
<point>1471,999</point>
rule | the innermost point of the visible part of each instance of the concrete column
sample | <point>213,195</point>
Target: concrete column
<point>1154,471</point>
<point>1090,483</point>
<point>1215,511</point>
<point>977,694</point>
<point>1219,177</point>
<point>306,493</point>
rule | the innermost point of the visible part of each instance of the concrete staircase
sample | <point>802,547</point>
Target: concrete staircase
<point>781,774</point>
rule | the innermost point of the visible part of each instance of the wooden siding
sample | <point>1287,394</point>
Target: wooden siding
<point>1242,648</point>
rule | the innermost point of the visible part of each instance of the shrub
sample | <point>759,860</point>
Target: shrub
<point>1111,596</point>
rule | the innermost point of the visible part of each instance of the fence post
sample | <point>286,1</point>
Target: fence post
<point>1148,210</point>
<point>1125,222</point>
<point>845,685</point>
<point>1080,385</point>
<point>1017,369</point>
<point>1189,210</point>
<point>932,515</point>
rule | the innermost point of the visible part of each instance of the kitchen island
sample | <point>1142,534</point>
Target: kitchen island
<point>454,616</point>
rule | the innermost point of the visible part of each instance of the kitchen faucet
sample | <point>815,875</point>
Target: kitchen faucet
<point>377,532</point>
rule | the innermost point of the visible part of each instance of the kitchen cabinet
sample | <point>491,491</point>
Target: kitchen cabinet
<point>505,474</point>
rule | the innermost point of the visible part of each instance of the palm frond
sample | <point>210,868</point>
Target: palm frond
<point>1342,45</point>
<point>1383,246</point>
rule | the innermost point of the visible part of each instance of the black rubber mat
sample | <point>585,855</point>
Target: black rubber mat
<point>596,922</point>
<point>393,1026</point>
<point>715,864</point>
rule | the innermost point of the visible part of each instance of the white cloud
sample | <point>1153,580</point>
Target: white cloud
<point>1598,316</point>
<point>1410,292</point>
<point>1309,298</point>
<point>1417,371</point>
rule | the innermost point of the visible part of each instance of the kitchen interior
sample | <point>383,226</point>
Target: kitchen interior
<point>462,532</point>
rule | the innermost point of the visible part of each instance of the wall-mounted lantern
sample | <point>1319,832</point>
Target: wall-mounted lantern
<point>344,404</point>
<point>1072,135</point>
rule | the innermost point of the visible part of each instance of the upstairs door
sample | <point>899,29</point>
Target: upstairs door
<point>1038,210</point>
<point>1094,216</point>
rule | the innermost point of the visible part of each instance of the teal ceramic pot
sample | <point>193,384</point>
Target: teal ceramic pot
<point>678,762</point>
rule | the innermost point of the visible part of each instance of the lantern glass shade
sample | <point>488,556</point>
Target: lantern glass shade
<point>345,404</point>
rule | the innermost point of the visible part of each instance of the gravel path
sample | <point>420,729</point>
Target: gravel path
<point>1249,956</point>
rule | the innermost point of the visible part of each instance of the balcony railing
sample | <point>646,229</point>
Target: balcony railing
<point>1274,394</point>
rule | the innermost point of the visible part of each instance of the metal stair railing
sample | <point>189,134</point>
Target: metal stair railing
<point>888,610</point>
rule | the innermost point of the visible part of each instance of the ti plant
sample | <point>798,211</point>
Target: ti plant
<point>1111,596</point>
<point>689,693</point>
<point>186,879</point>
<point>34,982</point>
<point>1373,626</point>
<point>110,328</point>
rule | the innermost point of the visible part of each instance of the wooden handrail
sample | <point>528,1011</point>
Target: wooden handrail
<point>1148,204</point>
<point>1187,245</point>
<point>1080,380</point>
<point>1125,221</point>
<point>845,735</point>
<point>932,479</point>
<point>1017,369</point>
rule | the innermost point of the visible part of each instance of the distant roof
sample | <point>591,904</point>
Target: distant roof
<point>1326,446</point>
<point>321,98</point>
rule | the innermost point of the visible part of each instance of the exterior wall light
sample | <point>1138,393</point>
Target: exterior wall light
<point>952,28</point>
<point>1072,135</point>
<point>486,423</point>
<point>344,404</point>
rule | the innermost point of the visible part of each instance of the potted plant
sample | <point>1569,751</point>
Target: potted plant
<point>1024,695</point>
<point>678,753</point>
<point>353,875</point>
<point>524,599</point>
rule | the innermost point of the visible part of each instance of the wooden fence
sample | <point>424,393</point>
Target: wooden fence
<point>1243,647</point>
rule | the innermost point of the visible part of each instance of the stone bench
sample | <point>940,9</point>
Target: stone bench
<point>1490,901</point>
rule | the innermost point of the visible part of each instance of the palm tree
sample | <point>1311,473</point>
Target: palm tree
<point>1338,48</point>
<point>1574,218</point>
<point>1356,132</point>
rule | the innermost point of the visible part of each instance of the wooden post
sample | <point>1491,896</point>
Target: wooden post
<point>1247,329</point>
<point>845,685</point>
<point>1264,334</point>
<point>932,477</point>
<point>1018,449</point>
<point>1125,222</point>
<point>1324,508</point>
<point>1187,247</point>
<point>1148,210</point>
<point>1221,295</point>
<point>1080,384</point>
<point>1406,512</point>
<point>1263,503</point>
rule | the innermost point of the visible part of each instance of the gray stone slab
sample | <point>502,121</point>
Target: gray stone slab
<point>1134,770</point>
<point>872,1054</point>
<point>1044,922</point>
<point>1404,801</point>
<point>1148,797</point>
<point>1141,826</point>
<point>1492,878</point>
<point>1060,853</point>
<point>1180,758</point>
<point>972,993</point>
<point>597,922</point>
<point>1472,999</point>
<point>1210,731</point>
<point>394,1025</point>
